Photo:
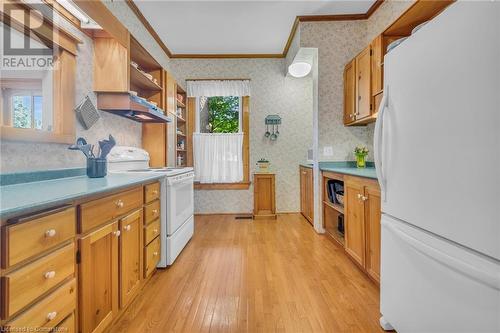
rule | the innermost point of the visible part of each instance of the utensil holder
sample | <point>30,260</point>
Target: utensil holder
<point>96,167</point>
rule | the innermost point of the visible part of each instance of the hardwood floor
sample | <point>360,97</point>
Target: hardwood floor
<point>256,276</point>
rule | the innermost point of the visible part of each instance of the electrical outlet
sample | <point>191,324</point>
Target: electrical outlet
<point>328,151</point>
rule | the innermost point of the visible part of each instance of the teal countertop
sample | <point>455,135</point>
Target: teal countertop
<point>23,198</point>
<point>349,168</point>
<point>346,168</point>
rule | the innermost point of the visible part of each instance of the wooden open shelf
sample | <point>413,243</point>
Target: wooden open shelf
<point>139,80</point>
<point>337,207</point>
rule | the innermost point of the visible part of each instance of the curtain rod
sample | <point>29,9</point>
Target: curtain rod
<point>218,79</point>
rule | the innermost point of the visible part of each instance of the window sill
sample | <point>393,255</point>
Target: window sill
<point>32,135</point>
<point>223,186</point>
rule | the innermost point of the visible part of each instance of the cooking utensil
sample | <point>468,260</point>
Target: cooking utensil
<point>81,141</point>
<point>85,149</point>
<point>273,136</point>
<point>106,146</point>
<point>267,134</point>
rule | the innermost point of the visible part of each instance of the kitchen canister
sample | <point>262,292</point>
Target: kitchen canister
<point>96,167</point>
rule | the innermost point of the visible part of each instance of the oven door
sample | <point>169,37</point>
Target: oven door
<point>180,205</point>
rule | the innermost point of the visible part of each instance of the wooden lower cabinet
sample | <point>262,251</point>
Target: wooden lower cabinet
<point>264,196</point>
<point>355,221</point>
<point>307,193</point>
<point>362,228</point>
<point>99,278</point>
<point>372,223</point>
<point>130,256</point>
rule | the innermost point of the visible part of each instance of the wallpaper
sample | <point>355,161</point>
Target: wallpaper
<point>27,156</point>
<point>338,42</point>
<point>271,93</point>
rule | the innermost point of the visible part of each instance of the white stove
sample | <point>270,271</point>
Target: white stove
<point>177,202</point>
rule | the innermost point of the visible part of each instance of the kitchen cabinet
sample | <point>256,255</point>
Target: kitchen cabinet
<point>372,223</point>
<point>349,92</point>
<point>362,229</point>
<point>307,193</point>
<point>264,196</point>
<point>99,278</point>
<point>355,222</point>
<point>363,84</point>
<point>368,65</point>
<point>130,256</point>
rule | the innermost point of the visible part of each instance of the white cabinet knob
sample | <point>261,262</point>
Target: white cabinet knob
<point>155,192</point>
<point>51,315</point>
<point>127,227</point>
<point>50,233</point>
<point>155,211</point>
<point>155,254</point>
<point>119,204</point>
<point>155,231</point>
<point>364,198</point>
<point>359,196</point>
<point>117,233</point>
<point>49,274</point>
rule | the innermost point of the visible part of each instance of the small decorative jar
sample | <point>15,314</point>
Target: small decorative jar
<point>361,153</point>
<point>263,165</point>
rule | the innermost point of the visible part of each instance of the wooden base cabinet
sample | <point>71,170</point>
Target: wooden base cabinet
<point>307,193</point>
<point>99,278</point>
<point>264,196</point>
<point>362,229</point>
<point>130,256</point>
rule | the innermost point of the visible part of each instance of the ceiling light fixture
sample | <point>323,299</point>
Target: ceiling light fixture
<point>302,63</point>
<point>74,10</point>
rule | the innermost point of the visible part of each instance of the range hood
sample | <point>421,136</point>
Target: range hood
<point>131,107</point>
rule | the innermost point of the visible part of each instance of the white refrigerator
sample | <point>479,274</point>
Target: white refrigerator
<point>437,153</point>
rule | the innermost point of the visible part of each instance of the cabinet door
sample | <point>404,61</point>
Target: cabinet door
<point>264,200</point>
<point>363,84</point>
<point>354,224</point>
<point>372,223</point>
<point>310,195</point>
<point>99,278</point>
<point>303,192</point>
<point>130,256</point>
<point>349,92</point>
<point>377,70</point>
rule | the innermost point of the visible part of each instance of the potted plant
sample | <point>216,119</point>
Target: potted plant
<point>263,165</point>
<point>360,152</point>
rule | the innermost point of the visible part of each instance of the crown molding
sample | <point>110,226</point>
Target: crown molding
<point>298,19</point>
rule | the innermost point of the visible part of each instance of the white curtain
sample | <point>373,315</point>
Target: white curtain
<point>218,157</point>
<point>211,88</point>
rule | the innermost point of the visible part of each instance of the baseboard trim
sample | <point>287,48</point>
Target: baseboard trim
<point>245,214</point>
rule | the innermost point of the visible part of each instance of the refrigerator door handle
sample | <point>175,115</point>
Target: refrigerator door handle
<point>492,279</point>
<point>378,144</point>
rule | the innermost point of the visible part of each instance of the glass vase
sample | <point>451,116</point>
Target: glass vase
<point>361,161</point>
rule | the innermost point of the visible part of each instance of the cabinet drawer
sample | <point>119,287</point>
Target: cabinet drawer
<point>67,325</point>
<point>152,212</point>
<point>26,284</point>
<point>27,239</point>
<point>152,256</point>
<point>97,212</point>
<point>151,192</point>
<point>152,231</point>
<point>50,311</point>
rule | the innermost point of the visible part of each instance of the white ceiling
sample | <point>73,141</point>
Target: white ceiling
<point>235,26</point>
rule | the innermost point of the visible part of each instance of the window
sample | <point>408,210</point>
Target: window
<point>220,114</point>
<point>27,110</point>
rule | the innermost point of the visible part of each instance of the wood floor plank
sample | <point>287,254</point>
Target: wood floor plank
<point>256,276</point>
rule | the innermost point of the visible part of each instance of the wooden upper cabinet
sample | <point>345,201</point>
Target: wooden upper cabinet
<point>130,256</point>
<point>111,66</point>
<point>363,84</point>
<point>171,93</point>
<point>350,92</point>
<point>99,278</point>
<point>372,223</point>
<point>377,47</point>
<point>355,221</point>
